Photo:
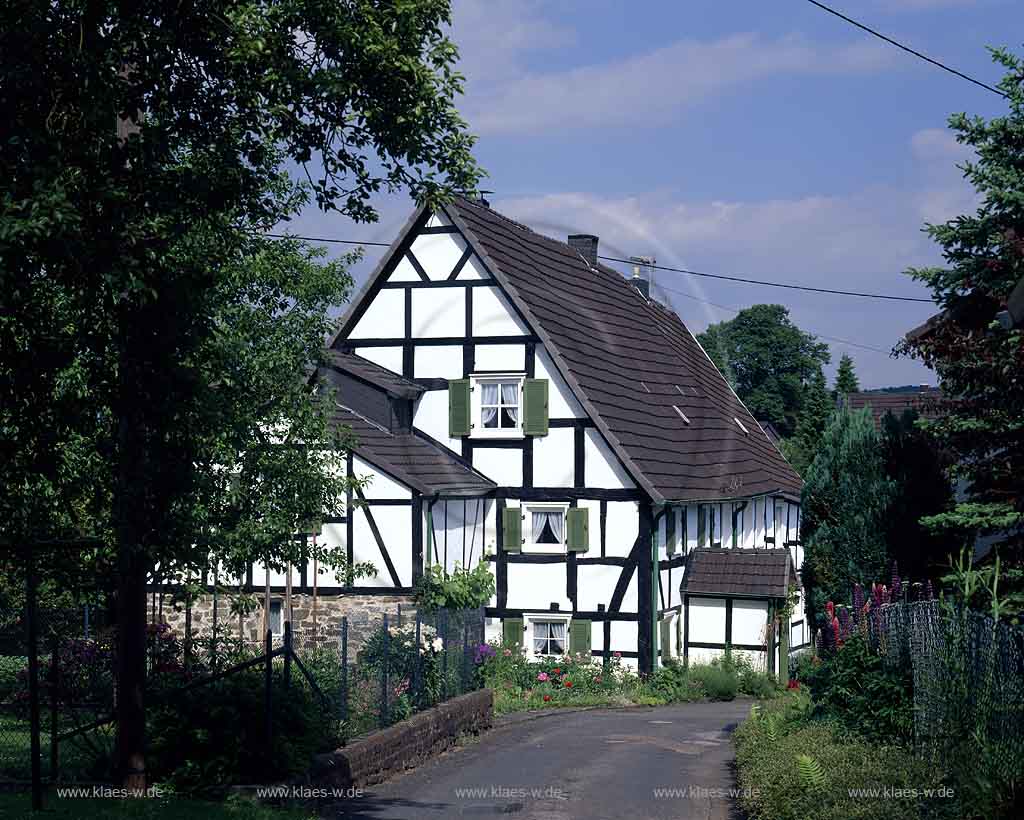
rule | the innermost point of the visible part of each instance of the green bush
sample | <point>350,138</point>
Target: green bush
<point>718,681</point>
<point>673,684</point>
<point>11,669</point>
<point>855,688</point>
<point>460,589</point>
<point>793,767</point>
<point>202,741</point>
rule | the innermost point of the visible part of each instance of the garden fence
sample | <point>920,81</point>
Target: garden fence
<point>353,678</point>
<point>968,673</point>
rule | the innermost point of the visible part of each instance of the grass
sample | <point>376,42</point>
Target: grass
<point>18,807</point>
<point>78,756</point>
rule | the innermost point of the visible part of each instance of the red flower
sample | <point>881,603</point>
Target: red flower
<point>547,698</point>
<point>557,670</point>
<point>568,684</point>
<point>597,679</point>
<point>793,684</point>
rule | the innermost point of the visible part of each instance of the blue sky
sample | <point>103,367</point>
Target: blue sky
<point>762,139</point>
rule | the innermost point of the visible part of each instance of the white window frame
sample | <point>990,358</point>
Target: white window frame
<point>546,617</point>
<point>529,545</point>
<point>277,633</point>
<point>475,401</point>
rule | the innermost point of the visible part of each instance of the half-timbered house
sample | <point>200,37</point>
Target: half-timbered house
<point>517,402</point>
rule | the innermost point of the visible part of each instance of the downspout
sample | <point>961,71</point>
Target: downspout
<point>655,586</point>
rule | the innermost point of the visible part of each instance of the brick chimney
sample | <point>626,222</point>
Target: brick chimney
<point>585,244</point>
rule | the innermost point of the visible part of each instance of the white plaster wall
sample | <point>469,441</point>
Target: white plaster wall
<point>553,459</point>
<point>691,527</point>
<point>380,485</point>
<point>666,586</point>
<point>602,467</point>
<point>389,357</point>
<point>703,655</point>
<point>595,584</point>
<point>438,253</point>
<point>622,528</point>
<point>561,402</point>
<point>404,272</point>
<point>473,269</point>
<point>438,220</point>
<point>510,358</point>
<point>726,524</point>
<point>438,362</point>
<point>333,535</point>
<point>438,312</point>
<point>430,415</point>
<point>395,525</point>
<point>622,638</point>
<point>707,620</point>
<point>674,649</point>
<point>536,586</point>
<point>384,318</point>
<point>493,315</point>
<point>748,621</point>
<point>503,467</point>
<point>629,600</point>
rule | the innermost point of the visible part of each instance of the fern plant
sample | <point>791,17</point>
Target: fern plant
<point>812,777</point>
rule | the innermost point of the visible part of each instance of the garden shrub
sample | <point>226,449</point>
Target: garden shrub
<point>12,668</point>
<point>855,688</point>
<point>673,684</point>
<point>794,767</point>
<point>718,681</point>
<point>459,589</point>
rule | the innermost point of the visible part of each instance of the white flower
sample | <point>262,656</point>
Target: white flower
<point>437,644</point>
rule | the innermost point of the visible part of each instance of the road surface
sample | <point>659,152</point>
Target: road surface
<point>663,763</point>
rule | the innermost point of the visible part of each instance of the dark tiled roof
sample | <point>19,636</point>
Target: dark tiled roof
<point>926,401</point>
<point>634,362</point>
<point>371,372</point>
<point>762,573</point>
<point>411,458</point>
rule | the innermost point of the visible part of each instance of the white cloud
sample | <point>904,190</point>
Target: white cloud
<point>938,144</point>
<point>504,97</point>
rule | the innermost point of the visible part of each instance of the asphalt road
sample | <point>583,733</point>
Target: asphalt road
<point>664,763</point>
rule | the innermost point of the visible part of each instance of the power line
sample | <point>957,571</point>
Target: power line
<point>788,286</point>
<point>728,309</point>
<point>908,49</point>
<point>324,239</point>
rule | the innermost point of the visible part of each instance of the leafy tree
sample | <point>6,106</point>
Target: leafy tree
<point>846,378</point>
<point>137,284</point>
<point>815,410</point>
<point>980,365</point>
<point>922,488</point>
<point>768,360</point>
<point>844,501</point>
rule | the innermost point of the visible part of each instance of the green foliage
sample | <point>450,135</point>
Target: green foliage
<point>914,461</point>
<point>718,682</point>
<point>979,364</point>
<point>12,669</point>
<point>460,589</point>
<point>856,689</point>
<point>844,501</point>
<point>396,652</point>
<point>673,684</point>
<point>169,807</point>
<point>816,408</point>
<point>791,767</point>
<point>768,360</point>
<point>846,377</point>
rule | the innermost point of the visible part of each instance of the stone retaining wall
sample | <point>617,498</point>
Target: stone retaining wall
<point>405,745</point>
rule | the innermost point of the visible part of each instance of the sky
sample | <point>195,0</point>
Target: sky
<point>763,140</point>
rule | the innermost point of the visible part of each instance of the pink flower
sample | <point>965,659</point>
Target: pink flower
<point>597,679</point>
<point>543,676</point>
<point>618,654</point>
<point>507,653</point>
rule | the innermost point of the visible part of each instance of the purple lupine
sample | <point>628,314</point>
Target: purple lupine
<point>897,585</point>
<point>876,595</point>
<point>858,602</point>
<point>844,623</point>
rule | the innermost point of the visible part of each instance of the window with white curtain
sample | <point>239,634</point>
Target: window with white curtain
<point>545,528</point>
<point>498,406</point>
<point>549,637</point>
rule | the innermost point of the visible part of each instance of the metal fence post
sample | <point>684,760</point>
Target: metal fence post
<point>384,675</point>
<point>344,669</point>
<point>33,681</point>
<point>54,686</point>
<point>398,619</point>
<point>465,654</point>
<point>287,654</point>
<point>443,624</point>
<point>417,667</point>
<point>268,682</point>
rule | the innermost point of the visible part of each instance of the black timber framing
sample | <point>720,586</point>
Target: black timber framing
<point>604,526</point>
<point>433,229</point>
<point>349,522</point>
<point>579,466</point>
<point>501,580</point>
<point>467,254</point>
<point>434,341</point>
<point>416,265</point>
<point>442,283</point>
<point>560,558</point>
<point>589,615</point>
<point>566,494</point>
<point>644,590</point>
<point>417,536</point>
<point>321,591</point>
<point>375,530</point>
<point>728,643</point>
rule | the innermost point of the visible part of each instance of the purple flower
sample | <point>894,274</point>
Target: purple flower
<point>897,585</point>
<point>844,623</point>
<point>858,602</point>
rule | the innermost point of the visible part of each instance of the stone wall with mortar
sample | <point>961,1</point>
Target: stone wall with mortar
<point>365,613</point>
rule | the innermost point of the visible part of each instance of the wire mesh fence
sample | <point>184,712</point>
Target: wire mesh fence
<point>968,673</point>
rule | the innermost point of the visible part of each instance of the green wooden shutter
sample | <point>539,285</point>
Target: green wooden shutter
<point>666,639</point>
<point>512,631</point>
<point>577,524</point>
<point>702,524</point>
<point>512,529</point>
<point>458,408</point>
<point>535,407</point>
<point>579,637</point>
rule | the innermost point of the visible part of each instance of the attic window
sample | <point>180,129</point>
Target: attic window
<point>682,415</point>
<point>746,432</point>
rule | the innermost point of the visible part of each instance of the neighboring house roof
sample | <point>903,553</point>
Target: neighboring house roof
<point>759,573</point>
<point>635,366</point>
<point>412,459</point>
<point>927,401</point>
<point>372,373</point>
